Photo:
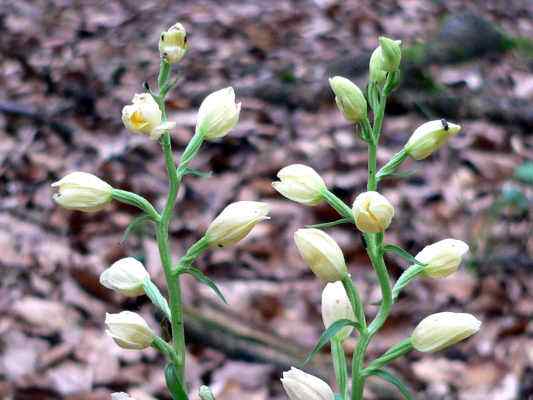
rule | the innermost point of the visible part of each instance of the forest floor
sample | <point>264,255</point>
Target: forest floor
<point>68,67</point>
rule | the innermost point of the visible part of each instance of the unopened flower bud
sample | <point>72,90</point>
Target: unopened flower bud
<point>442,258</point>
<point>391,53</point>
<point>129,330</point>
<point>300,183</point>
<point>442,330</point>
<point>82,191</point>
<point>143,116</point>
<point>125,276</point>
<point>429,137</point>
<point>336,306</point>
<point>376,72</point>
<point>321,253</point>
<point>235,222</point>
<point>205,393</point>
<point>372,212</point>
<point>301,386</point>
<point>218,114</point>
<point>173,44</point>
<point>349,98</point>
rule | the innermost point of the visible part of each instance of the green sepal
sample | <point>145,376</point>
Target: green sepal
<point>200,277</point>
<point>330,224</point>
<point>153,293</point>
<point>392,248</point>
<point>393,380</point>
<point>135,226</point>
<point>173,383</point>
<point>329,334</point>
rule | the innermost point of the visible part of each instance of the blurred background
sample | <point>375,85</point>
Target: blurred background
<point>67,68</point>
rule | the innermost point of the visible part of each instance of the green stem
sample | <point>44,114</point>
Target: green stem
<point>392,165</point>
<point>340,206</point>
<point>133,199</point>
<point>339,364</point>
<point>191,255</point>
<point>165,348</point>
<point>396,351</point>
<point>405,278</point>
<point>355,301</point>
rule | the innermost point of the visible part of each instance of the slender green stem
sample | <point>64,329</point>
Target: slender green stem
<point>405,278</point>
<point>339,364</point>
<point>165,348</point>
<point>392,165</point>
<point>340,206</point>
<point>133,199</point>
<point>396,351</point>
<point>191,255</point>
<point>358,380</point>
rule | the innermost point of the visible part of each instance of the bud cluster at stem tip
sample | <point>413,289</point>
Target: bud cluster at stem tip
<point>336,306</point>
<point>82,192</point>
<point>442,330</point>
<point>173,43</point>
<point>300,183</point>
<point>125,276</point>
<point>302,386</point>
<point>321,253</point>
<point>218,114</point>
<point>235,222</point>
<point>385,58</point>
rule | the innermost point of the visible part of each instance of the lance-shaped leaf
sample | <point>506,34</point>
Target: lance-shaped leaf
<point>329,334</point>
<point>200,277</point>
<point>330,224</point>
<point>392,248</point>
<point>135,226</point>
<point>394,380</point>
<point>173,383</point>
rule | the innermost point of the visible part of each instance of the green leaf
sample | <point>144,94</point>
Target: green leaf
<point>173,383</point>
<point>392,248</point>
<point>330,224</point>
<point>392,379</point>
<point>156,297</point>
<point>135,226</point>
<point>524,172</point>
<point>200,277</point>
<point>328,334</point>
<point>197,172</point>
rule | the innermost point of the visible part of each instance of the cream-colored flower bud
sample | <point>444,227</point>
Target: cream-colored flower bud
<point>349,98</point>
<point>372,212</point>
<point>218,114</point>
<point>429,137</point>
<point>301,386</point>
<point>129,330</point>
<point>321,253</point>
<point>300,183</point>
<point>235,222</point>
<point>82,191</point>
<point>125,276</point>
<point>442,258</point>
<point>391,53</point>
<point>442,330</point>
<point>143,116</point>
<point>121,396</point>
<point>173,44</point>
<point>336,306</point>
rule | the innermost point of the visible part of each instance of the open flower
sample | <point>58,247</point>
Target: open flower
<point>321,253</point>
<point>125,276</point>
<point>372,212</point>
<point>235,222</point>
<point>301,386</point>
<point>442,330</point>
<point>129,330</point>
<point>82,191</point>
<point>144,116</point>
<point>218,114</point>
<point>300,183</point>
